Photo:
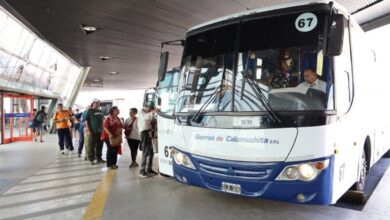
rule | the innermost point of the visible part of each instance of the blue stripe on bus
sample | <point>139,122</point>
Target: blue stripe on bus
<point>318,191</point>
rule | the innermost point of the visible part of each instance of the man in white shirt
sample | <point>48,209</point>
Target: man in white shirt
<point>311,81</point>
<point>145,127</point>
<point>132,135</point>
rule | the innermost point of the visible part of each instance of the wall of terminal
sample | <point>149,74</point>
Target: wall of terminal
<point>30,65</point>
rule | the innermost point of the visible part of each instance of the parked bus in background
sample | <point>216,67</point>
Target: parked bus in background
<point>281,102</point>
<point>166,93</point>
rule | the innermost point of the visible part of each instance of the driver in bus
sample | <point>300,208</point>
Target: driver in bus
<point>311,81</point>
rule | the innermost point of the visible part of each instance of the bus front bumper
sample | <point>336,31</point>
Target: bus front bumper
<point>256,180</point>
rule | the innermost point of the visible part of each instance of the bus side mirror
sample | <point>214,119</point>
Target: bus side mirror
<point>162,69</point>
<point>336,35</point>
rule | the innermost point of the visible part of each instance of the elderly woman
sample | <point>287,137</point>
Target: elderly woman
<point>112,136</point>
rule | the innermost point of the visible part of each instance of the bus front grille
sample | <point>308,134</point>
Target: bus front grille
<point>251,170</point>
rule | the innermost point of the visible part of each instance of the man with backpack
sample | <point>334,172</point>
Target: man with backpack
<point>40,119</point>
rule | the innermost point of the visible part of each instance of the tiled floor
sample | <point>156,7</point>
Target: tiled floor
<point>38,183</point>
<point>45,185</point>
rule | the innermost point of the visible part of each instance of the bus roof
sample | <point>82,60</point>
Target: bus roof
<point>271,8</point>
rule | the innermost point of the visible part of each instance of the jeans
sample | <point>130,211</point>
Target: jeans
<point>39,131</point>
<point>147,152</point>
<point>64,134</point>
<point>112,154</point>
<point>81,141</point>
<point>133,145</point>
<point>95,147</point>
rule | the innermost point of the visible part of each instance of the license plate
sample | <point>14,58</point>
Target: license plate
<point>231,188</point>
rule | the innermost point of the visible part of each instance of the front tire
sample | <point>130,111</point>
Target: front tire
<point>363,172</point>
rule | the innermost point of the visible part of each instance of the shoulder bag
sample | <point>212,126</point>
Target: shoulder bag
<point>129,128</point>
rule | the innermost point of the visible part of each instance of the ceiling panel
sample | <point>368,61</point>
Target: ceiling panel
<point>132,31</point>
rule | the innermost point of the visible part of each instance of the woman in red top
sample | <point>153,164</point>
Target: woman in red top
<point>112,136</point>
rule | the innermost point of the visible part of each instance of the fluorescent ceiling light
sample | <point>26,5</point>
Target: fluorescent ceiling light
<point>89,29</point>
<point>114,73</point>
<point>103,58</point>
<point>96,80</point>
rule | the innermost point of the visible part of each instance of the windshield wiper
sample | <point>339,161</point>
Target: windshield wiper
<point>260,95</point>
<point>202,109</point>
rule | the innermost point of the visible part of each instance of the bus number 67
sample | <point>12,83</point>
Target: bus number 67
<point>167,151</point>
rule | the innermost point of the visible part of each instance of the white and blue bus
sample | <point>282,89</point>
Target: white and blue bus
<point>282,103</point>
<point>166,94</point>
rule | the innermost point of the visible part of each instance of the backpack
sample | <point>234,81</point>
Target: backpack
<point>40,117</point>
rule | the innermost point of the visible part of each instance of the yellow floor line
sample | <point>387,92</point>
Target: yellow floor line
<point>96,206</point>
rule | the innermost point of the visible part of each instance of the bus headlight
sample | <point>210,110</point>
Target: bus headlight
<point>307,171</point>
<point>303,171</point>
<point>182,159</point>
<point>292,173</point>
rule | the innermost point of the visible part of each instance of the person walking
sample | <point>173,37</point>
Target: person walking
<point>86,136</point>
<point>112,136</point>
<point>94,124</point>
<point>132,136</point>
<point>77,121</point>
<point>61,118</point>
<point>145,126</point>
<point>80,130</point>
<point>40,117</point>
<point>33,125</point>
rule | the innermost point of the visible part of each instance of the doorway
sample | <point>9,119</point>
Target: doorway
<point>17,111</point>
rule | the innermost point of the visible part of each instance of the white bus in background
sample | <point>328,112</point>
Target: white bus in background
<point>237,131</point>
<point>166,94</point>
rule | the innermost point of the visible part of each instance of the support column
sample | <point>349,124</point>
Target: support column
<point>83,75</point>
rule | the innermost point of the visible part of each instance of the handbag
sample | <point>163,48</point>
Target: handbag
<point>116,141</point>
<point>130,128</point>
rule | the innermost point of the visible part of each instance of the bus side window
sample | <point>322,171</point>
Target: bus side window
<point>343,74</point>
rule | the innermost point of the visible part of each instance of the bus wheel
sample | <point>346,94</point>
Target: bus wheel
<point>363,172</point>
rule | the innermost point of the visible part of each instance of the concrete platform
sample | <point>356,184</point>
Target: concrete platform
<point>38,183</point>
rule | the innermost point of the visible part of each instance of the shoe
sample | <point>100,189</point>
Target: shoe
<point>114,167</point>
<point>131,165</point>
<point>101,161</point>
<point>153,172</point>
<point>85,158</point>
<point>71,152</point>
<point>135,164</point>
<point>79,155</point>
<point>62,152</point>
<point>92,162</point>
<point>66,151</point>
<point>143,174</point>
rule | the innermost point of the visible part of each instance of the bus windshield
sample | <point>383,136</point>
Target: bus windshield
<point>166,92</point>
<point>225,68</point>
